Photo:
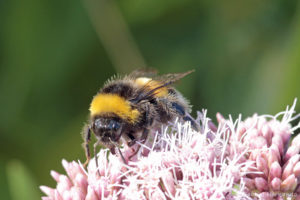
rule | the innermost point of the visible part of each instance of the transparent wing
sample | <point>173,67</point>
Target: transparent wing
<point>151,88</point>
<point>142,72</point>
<point>171,78</point>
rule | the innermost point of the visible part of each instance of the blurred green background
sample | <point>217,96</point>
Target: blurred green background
<point>55,55</point>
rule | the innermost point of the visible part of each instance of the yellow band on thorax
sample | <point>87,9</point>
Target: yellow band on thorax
<point>113,103</point>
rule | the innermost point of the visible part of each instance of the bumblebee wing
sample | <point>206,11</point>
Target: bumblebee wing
<point>171,78</point>
<point>148,91</point>
<point>142,72</point>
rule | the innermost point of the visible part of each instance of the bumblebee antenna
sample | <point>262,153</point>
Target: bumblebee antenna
<point>119,150</point>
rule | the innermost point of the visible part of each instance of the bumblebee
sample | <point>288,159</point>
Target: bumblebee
<point>126,108</point>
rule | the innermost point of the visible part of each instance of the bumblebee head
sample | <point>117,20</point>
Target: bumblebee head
<point>107,129</point>
<point>109,113</point>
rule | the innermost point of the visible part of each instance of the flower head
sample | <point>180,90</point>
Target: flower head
<point>274,155</point>
<point>249,159</point>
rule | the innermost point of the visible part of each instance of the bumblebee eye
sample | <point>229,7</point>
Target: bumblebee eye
<point>114,125</point>
<point>98,123</point>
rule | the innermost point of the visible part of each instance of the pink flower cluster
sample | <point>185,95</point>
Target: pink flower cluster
<point>275,169</point>
<point>249,159</point>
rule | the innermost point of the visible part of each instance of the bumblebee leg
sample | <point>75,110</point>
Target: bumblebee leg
<point>145,133</point>
<point>132,139</point>
<point>144,136</point>
<point>142,140</point>
<point>113,150</point>
<point>96,156</point>
<point>87,138</point>
<point>178,108</point>
<point>185,116</point>
<point>131,143</point>
<point>121,155</point>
